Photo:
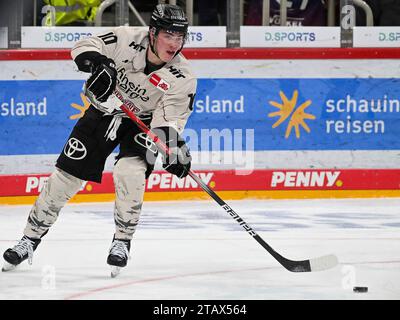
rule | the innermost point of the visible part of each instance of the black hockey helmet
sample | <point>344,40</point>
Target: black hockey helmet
<point>169,17</point>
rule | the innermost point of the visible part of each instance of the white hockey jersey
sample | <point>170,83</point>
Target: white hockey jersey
<point>167,93</point>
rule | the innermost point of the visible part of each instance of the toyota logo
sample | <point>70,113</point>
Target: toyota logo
<point>74,149</point>
<point>144,140</point>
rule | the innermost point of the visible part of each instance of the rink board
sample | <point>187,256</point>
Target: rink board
<point>235,110</point>
<point>309,103</point>
<point>231,184</point>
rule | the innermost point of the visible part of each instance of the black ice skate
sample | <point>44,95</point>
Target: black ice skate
<point>118,256</point>
<point>20,252</point>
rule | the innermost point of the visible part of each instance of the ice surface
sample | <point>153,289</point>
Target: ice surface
<point>194,250</point>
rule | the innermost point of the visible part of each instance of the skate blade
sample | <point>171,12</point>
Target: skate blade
<point>115,271</point>
<point>8,267</point>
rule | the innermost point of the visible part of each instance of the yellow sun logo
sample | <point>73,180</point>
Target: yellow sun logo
<point>80,108</point>
<point>287,109</point>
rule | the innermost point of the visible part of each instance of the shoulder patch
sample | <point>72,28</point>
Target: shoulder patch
<point>159,83</point>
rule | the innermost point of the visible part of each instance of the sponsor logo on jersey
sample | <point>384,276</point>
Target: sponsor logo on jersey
<point>176,72</point>
<point>136,46</point>
<point>169,181</point>
<point>131,106</point>
<point>293,179</point>
<point>75,149</point>
<point>131,89</point>
<point>159,83</point>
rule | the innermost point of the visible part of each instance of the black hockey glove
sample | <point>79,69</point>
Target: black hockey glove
<point>178,162</point>
<point>103,80</point>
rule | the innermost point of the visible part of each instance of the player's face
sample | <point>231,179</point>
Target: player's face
<point>168,43</point>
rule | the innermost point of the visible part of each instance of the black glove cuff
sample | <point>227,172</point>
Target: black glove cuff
<point>88,61</point>
<point>179,161</point>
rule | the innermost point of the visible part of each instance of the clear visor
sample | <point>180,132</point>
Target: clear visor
<point>173,36</point>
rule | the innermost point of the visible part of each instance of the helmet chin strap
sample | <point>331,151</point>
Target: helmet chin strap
<point>178,51</point>
<point>152,44</point>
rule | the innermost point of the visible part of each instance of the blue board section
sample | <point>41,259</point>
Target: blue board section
<point>331,114</point>
<point>34,115</point>
<point>287,114</point>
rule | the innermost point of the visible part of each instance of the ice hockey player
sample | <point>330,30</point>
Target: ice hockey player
<point>148,72</point>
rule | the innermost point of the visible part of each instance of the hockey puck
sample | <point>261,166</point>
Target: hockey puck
<point>360,289</point>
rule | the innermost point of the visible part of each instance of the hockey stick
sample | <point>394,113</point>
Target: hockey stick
<point>315,264</point>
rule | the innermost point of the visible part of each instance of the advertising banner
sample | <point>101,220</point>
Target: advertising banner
<point>303,114</point>
<point>309,125</point>
<point>229,114</point>
<point>66,37</point>
<point>289,37</point>
<point>35,115</point>
<point>227,180</point>
<point>376,37</point>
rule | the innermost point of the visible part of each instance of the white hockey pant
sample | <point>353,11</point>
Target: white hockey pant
<point>60,187</point>
<point>129,180</point>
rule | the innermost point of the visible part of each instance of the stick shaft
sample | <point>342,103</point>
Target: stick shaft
<point>291,265</point>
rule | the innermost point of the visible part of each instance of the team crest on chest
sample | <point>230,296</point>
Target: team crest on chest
<point>159,83</point>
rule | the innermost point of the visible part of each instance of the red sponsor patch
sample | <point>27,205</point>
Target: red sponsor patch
<point>159,82</point>
<point>155,79</point>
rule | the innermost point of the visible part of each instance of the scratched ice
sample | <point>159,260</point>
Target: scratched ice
<point>194,250</point>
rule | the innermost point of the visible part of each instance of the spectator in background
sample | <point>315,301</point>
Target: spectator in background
<point>211,12</point>
<point>72,12</point>
<point>299,13</point>
<point>385,12</point>
<point>390,13</point>
<point>4,14</point>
